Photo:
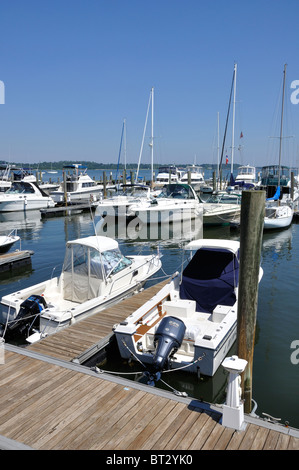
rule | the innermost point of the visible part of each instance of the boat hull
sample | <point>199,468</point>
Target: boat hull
<point>25,204</point>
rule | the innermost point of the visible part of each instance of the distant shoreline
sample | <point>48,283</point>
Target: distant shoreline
<point>102,166</point>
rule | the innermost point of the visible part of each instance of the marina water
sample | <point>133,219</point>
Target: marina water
<point>276,354</point>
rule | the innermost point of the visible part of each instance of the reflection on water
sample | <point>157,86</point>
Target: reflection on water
<point>27,223</point>
<point>175,232</point>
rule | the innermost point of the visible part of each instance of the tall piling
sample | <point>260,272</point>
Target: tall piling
<point>251,233</point>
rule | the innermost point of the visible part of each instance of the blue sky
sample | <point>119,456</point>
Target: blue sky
<point>74,70</point>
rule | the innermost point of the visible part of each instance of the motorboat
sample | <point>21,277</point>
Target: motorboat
<point>246,174</point>
<point>194,176</point>
<point>191,323</point>
<point>118,204</point>
<point>24,195</point>
<point>76,186</point>
<point>221,209</point>
<point>7,241</point>
<point>167,174</point>
<point>95,274</point>
<point>176,202</point>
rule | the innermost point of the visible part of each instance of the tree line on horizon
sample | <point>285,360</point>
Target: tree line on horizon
<point>100,166</point>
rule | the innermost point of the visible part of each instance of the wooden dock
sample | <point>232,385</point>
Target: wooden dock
<point>15,260</point>
<point>49,401</point>
<point>73,208</point>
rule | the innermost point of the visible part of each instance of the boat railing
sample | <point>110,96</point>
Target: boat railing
<point>130,273</point>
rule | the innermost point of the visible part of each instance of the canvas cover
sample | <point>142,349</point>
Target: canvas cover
<point>86,268</point>
<point>210,279</point>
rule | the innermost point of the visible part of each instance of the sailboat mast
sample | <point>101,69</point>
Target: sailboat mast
<point>233,130</point>
<point>281,123</point>
<point>152,140</point>
<point>218,148</point>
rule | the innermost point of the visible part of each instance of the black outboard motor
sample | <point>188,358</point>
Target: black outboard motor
<point>168,338</point>
<point>28,316</point>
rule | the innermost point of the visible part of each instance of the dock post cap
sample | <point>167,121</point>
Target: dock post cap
<point>234,364</point>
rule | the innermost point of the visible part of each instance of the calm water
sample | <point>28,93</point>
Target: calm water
<point>275,375</point>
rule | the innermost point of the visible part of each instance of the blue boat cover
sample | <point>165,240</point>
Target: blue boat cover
<point>276,195</point>
<point>210,279</point>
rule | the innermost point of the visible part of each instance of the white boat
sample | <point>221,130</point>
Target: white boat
<point>194,176</point>
<point>118,204</point>
<point>24,195</point>
<point>278,217</point>
<point>191,323</point>
<point>95,275</point>
<point>246,174</point>
<point>76,186</point>
<point>7,241</point>
<point>167,174</point>
<point>176,202</point>
<point>220,210</point>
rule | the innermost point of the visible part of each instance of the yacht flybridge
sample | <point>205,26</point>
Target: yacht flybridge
<point>95,275</point>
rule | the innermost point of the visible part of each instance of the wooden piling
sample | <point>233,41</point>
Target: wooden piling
<point>251,232</point>
<point>104,185</point>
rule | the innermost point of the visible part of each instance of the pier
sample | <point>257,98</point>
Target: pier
<point>15,260</point>
<point>49,400</point>
<point>70,209</point>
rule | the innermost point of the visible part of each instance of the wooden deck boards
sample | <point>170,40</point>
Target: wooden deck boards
<point>46,406</point>
<point>50,403</point>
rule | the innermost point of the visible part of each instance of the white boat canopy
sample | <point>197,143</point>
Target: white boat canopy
<point>87,264</point>
<point>230,245</point>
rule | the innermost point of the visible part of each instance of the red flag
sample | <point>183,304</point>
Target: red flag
<point>226,161</point>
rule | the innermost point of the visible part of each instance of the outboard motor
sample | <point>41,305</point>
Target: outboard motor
<point>168,338</point>
<point>28,315</point>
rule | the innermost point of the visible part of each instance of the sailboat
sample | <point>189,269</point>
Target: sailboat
<point>278,216</point>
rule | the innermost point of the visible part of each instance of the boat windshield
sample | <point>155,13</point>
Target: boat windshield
<point>177,191</point>
<point>224,199</point>
<point>20,187</point>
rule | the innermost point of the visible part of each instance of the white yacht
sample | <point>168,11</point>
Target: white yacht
<point>194,176</point>
<point>95,274</point>
<point>77,186</point>
<point>220,209</point>
<point>246,174</point>
<point>24,195</point>
<point>118,204</point>
<point>167,174</point>
<point>176,202</point>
